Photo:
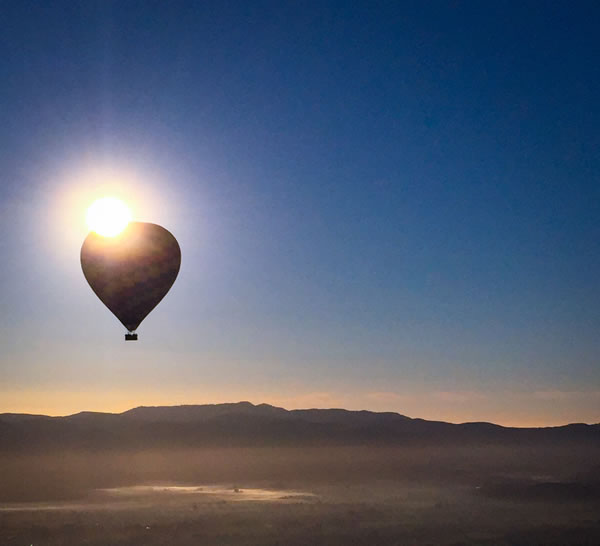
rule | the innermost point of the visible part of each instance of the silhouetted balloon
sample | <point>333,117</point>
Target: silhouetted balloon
<point>132,272</point>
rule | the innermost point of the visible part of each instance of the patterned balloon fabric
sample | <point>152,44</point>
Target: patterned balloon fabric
<point>132,272</point>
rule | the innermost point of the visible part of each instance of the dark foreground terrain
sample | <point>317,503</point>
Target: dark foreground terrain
<point>378,481</point>
<point>286,496</point>
<point>370,514</point>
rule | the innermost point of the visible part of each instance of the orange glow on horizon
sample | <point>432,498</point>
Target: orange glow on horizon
<point>60,403</point>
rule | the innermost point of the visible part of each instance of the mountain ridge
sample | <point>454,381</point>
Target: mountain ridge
<point>247,425</point>
<point>184,412</point>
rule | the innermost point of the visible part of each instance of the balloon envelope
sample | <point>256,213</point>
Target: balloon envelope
<point>132,272</point>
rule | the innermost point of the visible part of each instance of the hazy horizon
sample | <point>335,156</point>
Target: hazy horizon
<point>289,406</point>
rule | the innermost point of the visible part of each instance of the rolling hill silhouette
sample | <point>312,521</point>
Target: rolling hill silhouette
<point>246,424</point>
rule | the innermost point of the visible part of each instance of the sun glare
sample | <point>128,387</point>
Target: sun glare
<point>108,216</point>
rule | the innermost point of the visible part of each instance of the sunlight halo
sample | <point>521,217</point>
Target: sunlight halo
<point>108,216</point>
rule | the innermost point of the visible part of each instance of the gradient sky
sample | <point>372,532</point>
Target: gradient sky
<point>380,205</point>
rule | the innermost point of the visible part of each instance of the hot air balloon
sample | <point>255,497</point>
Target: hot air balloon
<point>132,272</point>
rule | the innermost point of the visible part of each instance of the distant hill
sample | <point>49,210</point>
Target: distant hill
<point>246,424</point>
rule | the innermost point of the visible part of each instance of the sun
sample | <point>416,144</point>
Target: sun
<point>108,216</point>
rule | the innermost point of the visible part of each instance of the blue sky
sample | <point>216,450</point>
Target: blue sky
<point>380,205</point>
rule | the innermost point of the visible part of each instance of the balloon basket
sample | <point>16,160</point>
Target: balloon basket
<point>130,337</point>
